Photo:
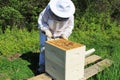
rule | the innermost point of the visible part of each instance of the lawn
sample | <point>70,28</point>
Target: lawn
<point>24,63</point>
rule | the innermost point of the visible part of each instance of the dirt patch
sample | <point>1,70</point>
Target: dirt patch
<point>14,56</point>
<point>64,44</point>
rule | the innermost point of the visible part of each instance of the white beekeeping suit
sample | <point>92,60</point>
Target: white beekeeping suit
<point>56,20</point>
<point>57,28</point>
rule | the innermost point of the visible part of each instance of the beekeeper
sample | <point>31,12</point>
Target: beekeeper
<point>55,21</point>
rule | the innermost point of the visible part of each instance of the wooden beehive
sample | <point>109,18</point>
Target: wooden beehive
<point>64,60</point>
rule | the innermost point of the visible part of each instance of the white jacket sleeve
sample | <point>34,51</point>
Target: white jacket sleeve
<point>69,28</point>
<point>42,20</point>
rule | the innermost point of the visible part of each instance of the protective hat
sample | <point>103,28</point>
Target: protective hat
<point>62,8</point>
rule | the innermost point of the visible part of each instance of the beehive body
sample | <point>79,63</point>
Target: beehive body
<point>64,60</point>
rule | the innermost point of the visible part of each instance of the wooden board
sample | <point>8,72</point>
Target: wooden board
<point>94,69</point>
<point>92,59</point>
<point>89,72</point>
<point>41,77</point>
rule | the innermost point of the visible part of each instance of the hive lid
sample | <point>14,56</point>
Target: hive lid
<point>64,44</point>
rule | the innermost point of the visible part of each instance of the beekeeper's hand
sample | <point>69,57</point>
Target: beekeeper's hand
<point>64,37</point>
<point>48,33</point>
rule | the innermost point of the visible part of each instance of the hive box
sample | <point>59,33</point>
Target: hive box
<point>64,60</point>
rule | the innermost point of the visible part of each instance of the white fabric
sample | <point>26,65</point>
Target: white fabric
<point>45,21</point>
<point>48,33</point>
<point>62,8</point>
<point>64,37</point>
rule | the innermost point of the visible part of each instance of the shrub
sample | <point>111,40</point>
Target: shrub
<point>19,41</point>
<point>9,17</point>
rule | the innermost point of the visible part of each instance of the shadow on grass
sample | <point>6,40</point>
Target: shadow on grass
<point>33,59</point>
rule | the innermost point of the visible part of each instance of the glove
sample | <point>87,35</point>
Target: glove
<point>64,37</point>
<point>48,33</point>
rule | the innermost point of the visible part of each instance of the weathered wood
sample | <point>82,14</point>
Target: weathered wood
<point>41,77</point>
<point>64,59</point>
<point>89,72</point>
<point>91,59</point>
<point>94,69</point>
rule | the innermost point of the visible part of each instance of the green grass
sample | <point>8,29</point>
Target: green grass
<point>14,70</point>
<point>23,43</point>
<point>106,43</point>
<point>93,28</point>
<point>19,41</point>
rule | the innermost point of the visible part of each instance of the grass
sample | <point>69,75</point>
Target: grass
<point>106,46</point>
<point>14,70</point>
<point>18,68</point>
<point>19,50</point>
<point>19,41</point>
<point>25,65</point>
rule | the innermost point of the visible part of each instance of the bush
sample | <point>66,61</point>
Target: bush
<point>9,17</point>
<point>19,41</point>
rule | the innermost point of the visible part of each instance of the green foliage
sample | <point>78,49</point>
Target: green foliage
<point>9,12</point>
<point>19,41</point>
<point>96,26</point>
<point>111,73</point>
<point>10,15</point>
<point>108,7</point>
<point>105,42</point>
<point>29,11</point>
<point>19,13</point>
<point>14,70</point>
